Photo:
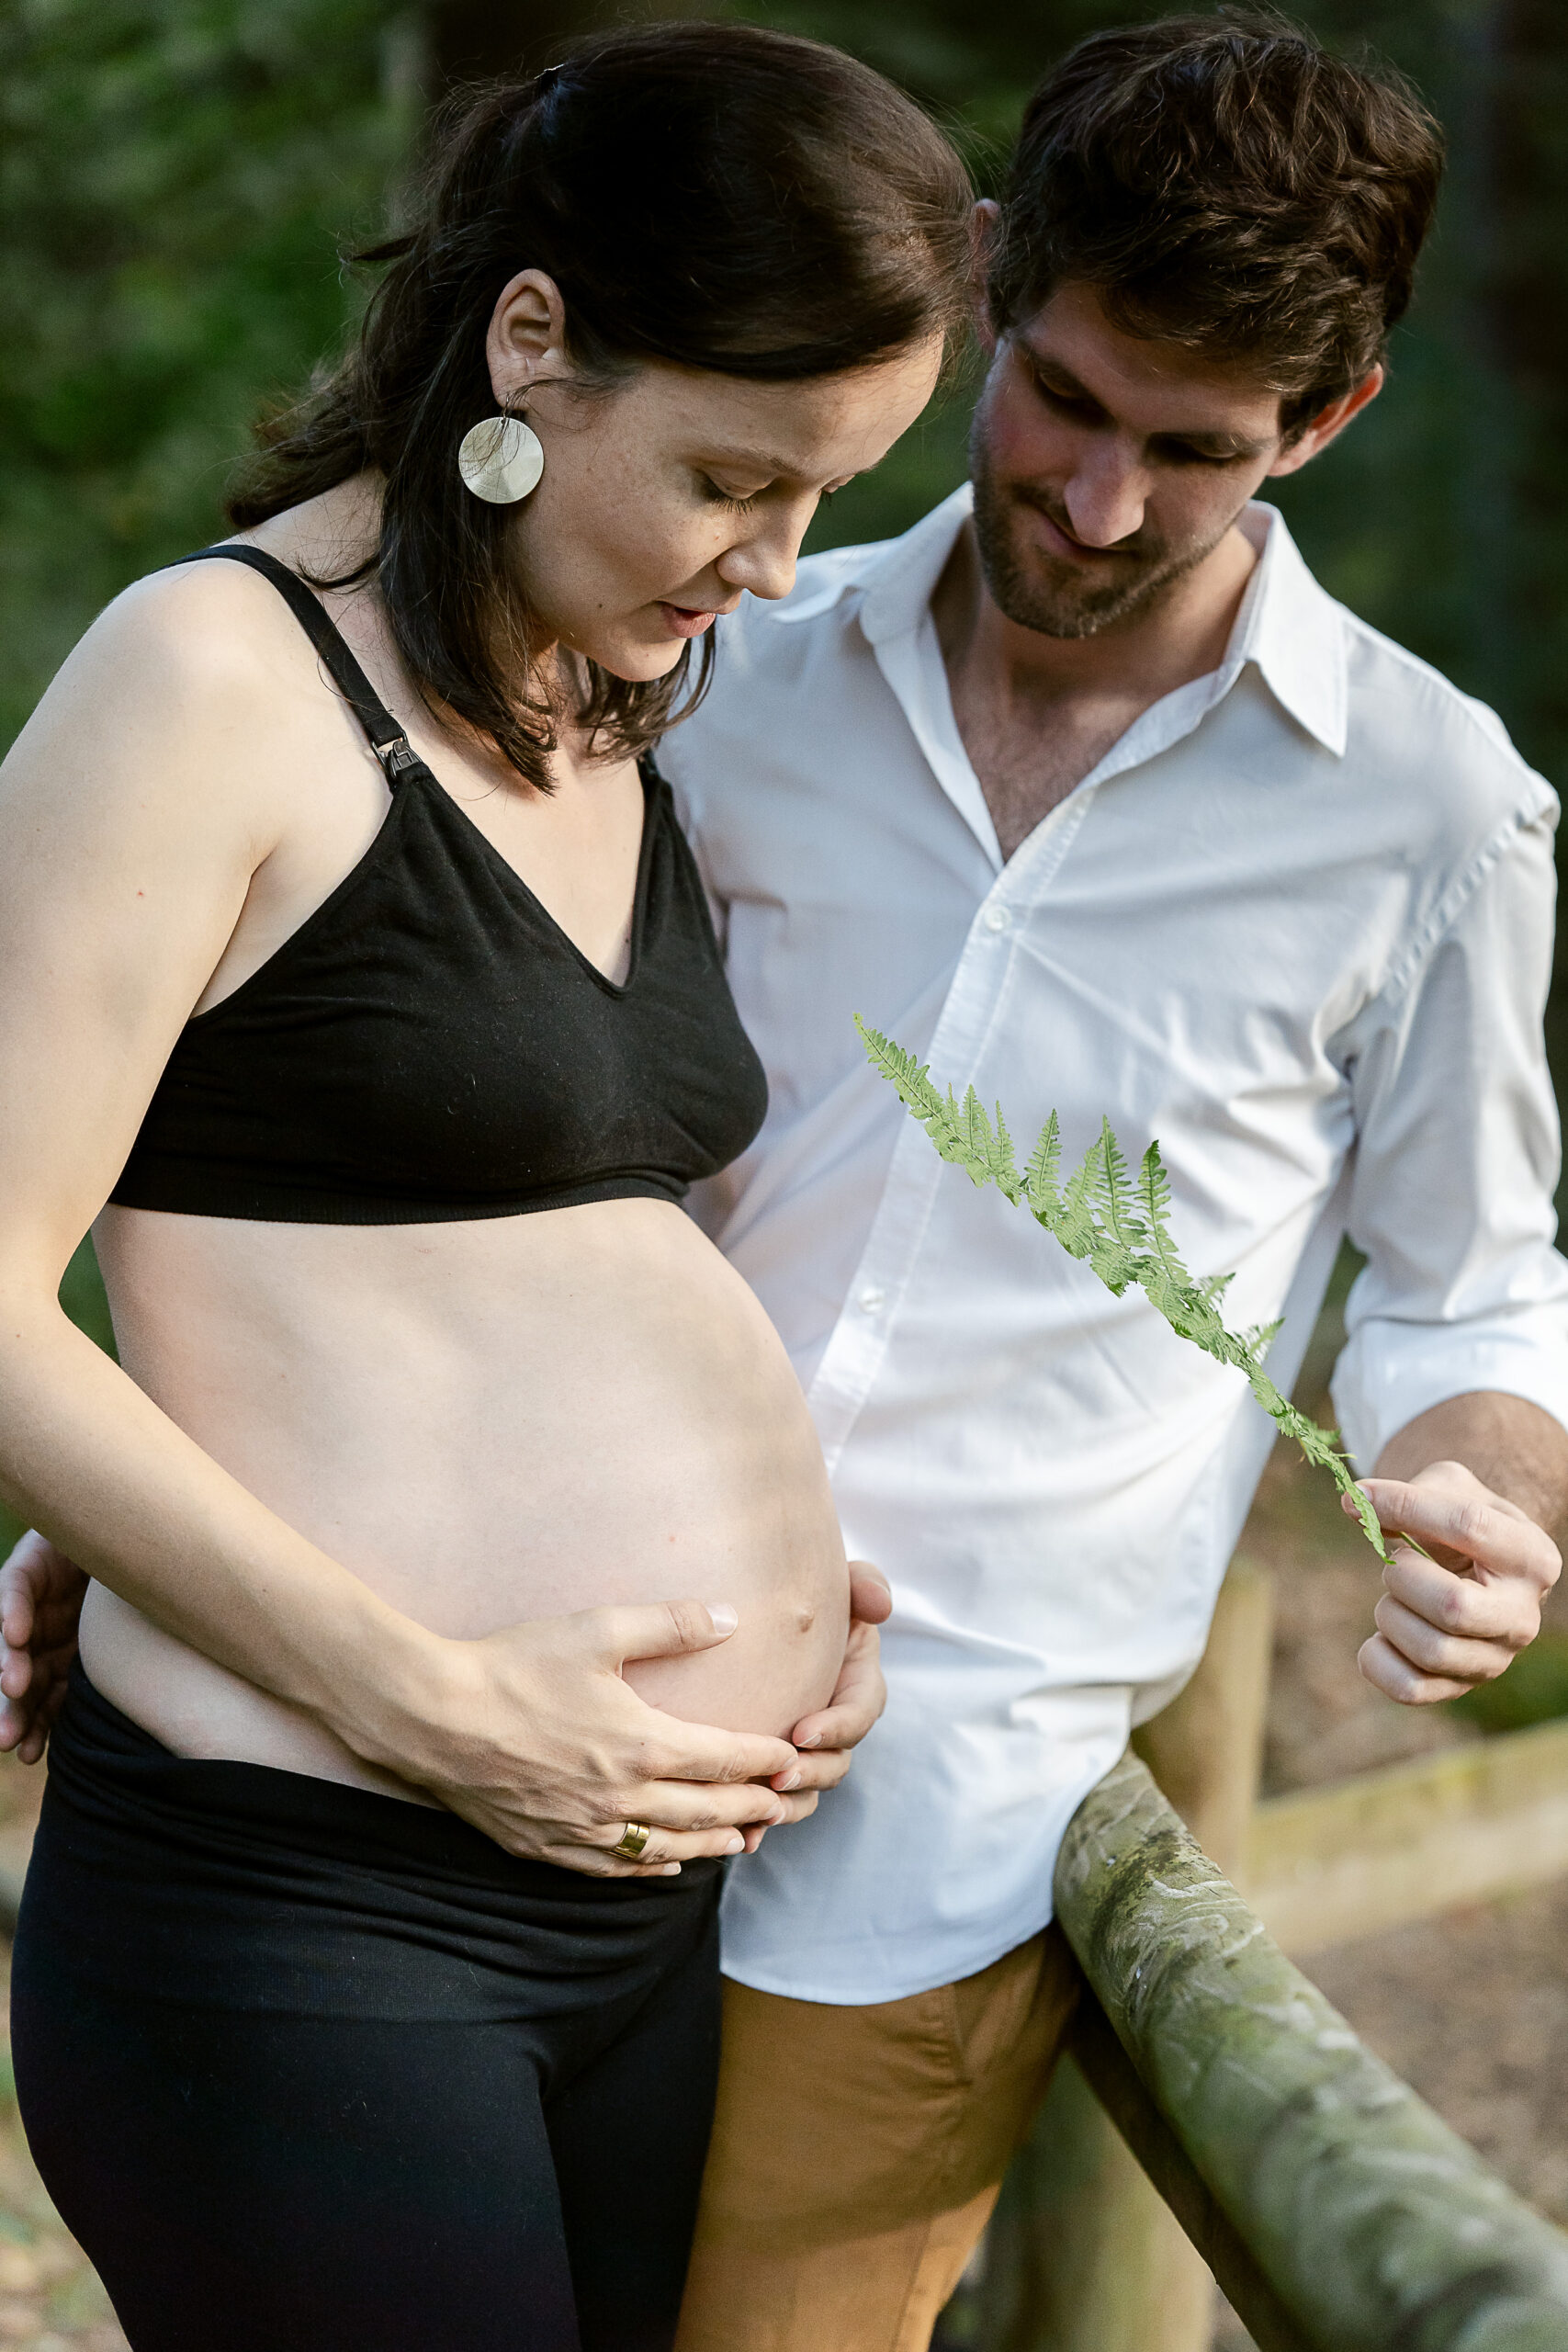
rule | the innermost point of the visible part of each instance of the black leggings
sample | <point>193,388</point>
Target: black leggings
<point>304,2066</point>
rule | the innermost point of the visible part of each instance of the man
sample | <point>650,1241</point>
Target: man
<point>1087,794</point>
<point>1093,799</point>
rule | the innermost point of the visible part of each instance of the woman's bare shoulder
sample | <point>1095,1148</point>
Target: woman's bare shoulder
<point>186,666</point>
<point>217,623</point>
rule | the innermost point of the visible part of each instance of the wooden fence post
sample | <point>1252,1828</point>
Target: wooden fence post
<point>1084,2254</point>
<point>1341,2213</point>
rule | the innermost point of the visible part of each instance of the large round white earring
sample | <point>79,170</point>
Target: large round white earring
<point>500,459</point>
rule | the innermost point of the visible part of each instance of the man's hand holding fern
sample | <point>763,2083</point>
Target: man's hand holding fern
<point>1460,1617</point>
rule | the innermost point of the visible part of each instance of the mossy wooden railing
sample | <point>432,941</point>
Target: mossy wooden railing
<point>1338,2211</point>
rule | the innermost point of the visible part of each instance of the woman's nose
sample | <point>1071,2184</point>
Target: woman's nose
<point>764,565</point>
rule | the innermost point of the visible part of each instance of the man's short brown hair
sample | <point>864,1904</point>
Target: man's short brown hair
<point>1223,182</point>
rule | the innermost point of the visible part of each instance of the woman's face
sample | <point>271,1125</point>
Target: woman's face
<point>665,497</point>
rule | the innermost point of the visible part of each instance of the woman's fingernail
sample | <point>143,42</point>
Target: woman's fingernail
<point>814,1741</point>
<point>737,1844</point>
<point>672,1869</point>
<point>725,1620</point>
<point>792,1783</point>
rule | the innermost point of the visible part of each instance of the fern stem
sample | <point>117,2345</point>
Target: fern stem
<point>1118,1225</point>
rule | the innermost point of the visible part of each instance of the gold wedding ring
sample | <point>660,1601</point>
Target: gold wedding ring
<point>632,1839</point>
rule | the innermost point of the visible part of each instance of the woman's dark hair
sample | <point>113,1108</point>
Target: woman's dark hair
<point>717,196</point>
<point>1222,182</point>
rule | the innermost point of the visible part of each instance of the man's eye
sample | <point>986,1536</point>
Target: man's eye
<point>1068,403</point>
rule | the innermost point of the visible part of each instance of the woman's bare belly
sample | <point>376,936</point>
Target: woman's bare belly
<point>488,1423</point>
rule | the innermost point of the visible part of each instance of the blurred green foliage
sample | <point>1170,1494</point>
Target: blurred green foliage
<point>82,1296</point>
<point>174,175</point>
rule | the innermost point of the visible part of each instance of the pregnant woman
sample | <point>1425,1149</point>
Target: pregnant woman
<point>365,1994</point>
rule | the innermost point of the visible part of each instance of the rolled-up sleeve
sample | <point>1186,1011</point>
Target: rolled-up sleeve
<point>1456,1160</point>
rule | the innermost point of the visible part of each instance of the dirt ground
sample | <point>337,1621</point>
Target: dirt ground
<point>1472,2008</point>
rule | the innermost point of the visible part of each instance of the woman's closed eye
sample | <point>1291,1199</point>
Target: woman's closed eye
<point>738,501</point>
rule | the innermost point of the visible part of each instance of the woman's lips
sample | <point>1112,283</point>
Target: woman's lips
<point>683,620</point>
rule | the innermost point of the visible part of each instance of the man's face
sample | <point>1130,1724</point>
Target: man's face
<point>1105,468</point>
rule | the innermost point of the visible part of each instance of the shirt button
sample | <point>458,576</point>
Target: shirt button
<point>871,1299</point>
<point>996,918</point>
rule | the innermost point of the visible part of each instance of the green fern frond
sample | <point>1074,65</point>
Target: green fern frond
<point>974,1137</point>
<point>911,1079</point>
<point>949,1130</point>
<point>1153,1189</point>
<point>1120,1227</point>
<point>1007,1179</point>
<point>1040,1182</point>
<point>1113,1191</point>
<point>987,1157</point>
<point>1074,1224</point>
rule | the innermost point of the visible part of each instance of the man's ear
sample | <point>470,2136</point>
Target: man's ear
<point>1327,426</point>
<point>984,227</point>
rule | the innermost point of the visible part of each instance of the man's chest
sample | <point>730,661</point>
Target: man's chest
<point>1028,759</point>
<point>1181,927</point>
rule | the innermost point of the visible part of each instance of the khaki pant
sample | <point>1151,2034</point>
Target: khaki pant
<point>857,2154</point>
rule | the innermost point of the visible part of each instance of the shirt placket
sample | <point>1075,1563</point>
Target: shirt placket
<point>858,1348</point>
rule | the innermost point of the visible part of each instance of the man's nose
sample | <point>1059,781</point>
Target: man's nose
<point>1107,493</point>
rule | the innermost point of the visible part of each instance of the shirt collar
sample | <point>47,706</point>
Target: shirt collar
<point>1289,627</point>
<point>895,579</point>
<point>900,588</point>
<point>1293,631</point>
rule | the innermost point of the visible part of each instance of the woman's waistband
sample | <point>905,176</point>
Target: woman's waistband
<point>105,1761</point>
<point>305,1892</point>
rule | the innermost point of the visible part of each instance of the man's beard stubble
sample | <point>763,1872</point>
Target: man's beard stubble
<point>1037,592</point>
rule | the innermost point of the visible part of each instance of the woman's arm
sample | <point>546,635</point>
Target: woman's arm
<point>137,812</point>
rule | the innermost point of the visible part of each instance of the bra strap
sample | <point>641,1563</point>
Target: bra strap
<point>386,737</point>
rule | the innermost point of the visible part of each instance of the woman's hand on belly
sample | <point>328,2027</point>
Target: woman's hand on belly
<point>40,1599</point>
<point>40,1602</point>
<point>535,1736</point>
<point>825,1742</point>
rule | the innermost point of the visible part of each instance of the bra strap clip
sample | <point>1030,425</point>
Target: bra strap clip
<point>395,755</point>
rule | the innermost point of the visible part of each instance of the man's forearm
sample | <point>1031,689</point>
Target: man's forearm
<point>1518,1449</point>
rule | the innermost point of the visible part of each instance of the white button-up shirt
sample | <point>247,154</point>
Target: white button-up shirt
<point>1296,925</point>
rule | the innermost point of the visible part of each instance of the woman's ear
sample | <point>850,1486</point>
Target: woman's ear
<point>526,342</point>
